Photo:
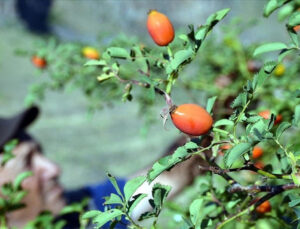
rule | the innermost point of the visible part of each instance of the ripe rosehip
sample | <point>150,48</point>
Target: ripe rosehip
<point>257,152</point>
<point>160,28</point>
<point>264,207</point>
<point>296,28</point>
<point>259,165</point>
<point>39,62</point>
<point>266,114</point>
<point>90,53</point>
<point>191,119</point>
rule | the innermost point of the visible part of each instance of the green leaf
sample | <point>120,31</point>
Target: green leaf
<point>210,104</point>
<point>135,201</point>
<point>20,178</point>
<point>104,77</point>
<point>167,162</point>
<point>113,199</point>
<point>132,185</point>
<point>19,196</point>
<point>295,38</point>
<point>236,152</point>
<point>294,19</point>
<point>71,209</point>
<point>293,203</point>
<point>180,57</point>
<point>113,180</point>
<point>196,212</point>
<point>224,122</point>
<point>91,214</point>
<point>95,63</point>
<point>269,67</point>
<point>286,52</point>
<point>273,5</point>
<point>160,193</point>
<point>285,12</point>
<point>269,47</point>
<point>117,52</point>
<point>106,216</point>
<point>296,120</point>
<point>281,128</point>
<point>240,100</point>
<point>216,17</point>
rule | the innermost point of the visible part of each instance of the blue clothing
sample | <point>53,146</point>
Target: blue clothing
<point>97,193</point>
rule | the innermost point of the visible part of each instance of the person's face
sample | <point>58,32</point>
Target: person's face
<point>44,191</point>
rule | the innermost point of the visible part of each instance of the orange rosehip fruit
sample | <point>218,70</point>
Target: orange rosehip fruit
<point>296,28</point>
<point>160,28</point>
<point>266,114</point>
<point>224,148</point>
<point>264,207</point>
<point>39,62</point>
<point>259,165</point>
<point>90,53</point>
<point>191,119</point>
<point>257,152</point>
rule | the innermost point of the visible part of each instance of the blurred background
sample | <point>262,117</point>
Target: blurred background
<point>113,139</point>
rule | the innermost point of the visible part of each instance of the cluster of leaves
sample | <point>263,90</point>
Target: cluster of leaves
<point>229,188</point>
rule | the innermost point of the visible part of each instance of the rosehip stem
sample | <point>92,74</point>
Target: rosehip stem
<point>159,91</point>
<point>264,188</point>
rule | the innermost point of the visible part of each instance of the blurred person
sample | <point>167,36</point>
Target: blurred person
<point>35,14</point>
<point>44,190</point>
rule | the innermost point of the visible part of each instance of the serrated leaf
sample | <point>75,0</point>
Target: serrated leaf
<point>106,216</point>
<point>269,47</point>
<point>281,128</point>
<point>118,52</point>
<point>196,212</point>
<point>224,122</point>
<point>91,214</point>
<point>216,17</point>
<point>113,180</point>
<point>240,100</point>
<point>18,180</point>
<point>236,152</point>
<point>167,162</point>
<point>269,67</point>
<point>180,57</point>
<point>113,199</point>
<point>210,104</point>
<point>132,185</point>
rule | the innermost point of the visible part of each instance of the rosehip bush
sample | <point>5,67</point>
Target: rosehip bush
<point>249,100</point>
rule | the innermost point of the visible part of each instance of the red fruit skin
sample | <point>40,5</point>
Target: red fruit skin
<point>191,119</point>
<point>264,207</point>
<point>257,152</point>
<point>160,28</point>
<point>266,114</point>
<point>39,62</point>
